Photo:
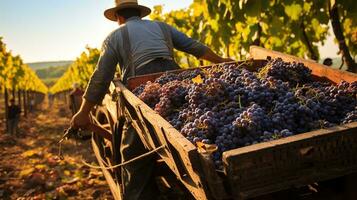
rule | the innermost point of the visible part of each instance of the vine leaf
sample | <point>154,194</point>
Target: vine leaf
<point>293,11</point>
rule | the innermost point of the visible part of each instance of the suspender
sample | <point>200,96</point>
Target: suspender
<point>130,68</point>
<point>167,34</point>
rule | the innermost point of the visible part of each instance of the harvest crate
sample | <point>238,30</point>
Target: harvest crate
<point>257,169</point>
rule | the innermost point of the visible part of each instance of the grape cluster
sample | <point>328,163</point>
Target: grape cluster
<point>138,90</point>
<point>231,107</point>
<point>150,94</point>
<point>189,75</point>
<point>172,97</point>
<point>294,73</point>
<point>167,77</point>
<point>350,117</point>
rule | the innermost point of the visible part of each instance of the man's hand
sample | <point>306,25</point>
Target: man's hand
<point>213,57</point>
<point>81,120</point>
<point>228,60</point>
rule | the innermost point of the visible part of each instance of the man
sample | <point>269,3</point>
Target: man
<point>32,104</point>
<point>75,98</point>
<point>13,117</point>
<point>140,47</point>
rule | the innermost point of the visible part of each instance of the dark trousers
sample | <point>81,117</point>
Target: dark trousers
<point>138,181</point>
<point>13,125</point>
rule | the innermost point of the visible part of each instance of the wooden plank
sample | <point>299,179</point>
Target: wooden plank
<point>274,143</point>
<point>114,188</point>
<point>110,104</point>
<point>132,111</point>
<point>160,139</point>
<point>294,161</point>
<point>317,69</point>
<point>214,182</point>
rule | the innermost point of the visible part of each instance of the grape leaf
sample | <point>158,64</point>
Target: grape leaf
<point>198,79</point>
<point>206,148</point>
<point>293,11</point>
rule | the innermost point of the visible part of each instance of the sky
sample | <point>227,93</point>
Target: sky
<point>50,30</point>
<point>43,30</point>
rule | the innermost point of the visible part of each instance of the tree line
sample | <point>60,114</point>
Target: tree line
<point>230,27</point>
<point>18,81</point>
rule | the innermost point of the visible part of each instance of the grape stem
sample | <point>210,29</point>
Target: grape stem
<point>239,101</point>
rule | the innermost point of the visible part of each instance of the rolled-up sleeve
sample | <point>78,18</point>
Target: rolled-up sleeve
<point>103,74</point>
<point>186,44</point>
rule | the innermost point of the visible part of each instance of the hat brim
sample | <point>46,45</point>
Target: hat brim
<point>110,13</point>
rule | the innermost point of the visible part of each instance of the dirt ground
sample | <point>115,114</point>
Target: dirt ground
<point>30,167</point>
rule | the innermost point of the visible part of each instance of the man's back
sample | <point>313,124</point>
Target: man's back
<point>146,40</point>
<point>147,43</point>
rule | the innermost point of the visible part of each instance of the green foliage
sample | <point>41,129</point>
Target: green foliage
<point>185,21</point>
<point>230,27</point>
<point>348,15</point>
<point>293,11</point>
<point>79,71</point>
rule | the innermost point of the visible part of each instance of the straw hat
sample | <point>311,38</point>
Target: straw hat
<point>121,4</point>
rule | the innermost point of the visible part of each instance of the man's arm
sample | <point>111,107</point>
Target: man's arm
<point>82,118</point>
<point>97,86</point>
<point>186,44</point>
<point>213,57</point>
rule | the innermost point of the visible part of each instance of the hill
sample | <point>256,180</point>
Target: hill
<point>51,74</point>
<point>43,65</point>
<point>50,71</point>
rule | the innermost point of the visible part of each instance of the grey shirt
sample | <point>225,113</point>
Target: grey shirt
<point>147,43</point>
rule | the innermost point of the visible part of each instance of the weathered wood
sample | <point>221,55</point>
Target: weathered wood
<point>180,155</point>
<point>113,186</point>
<point>214,182</point>
<point>19,99</point>
<point>6,102</point>
<point>111,105</point>
<point>294,161</point>
<point>317,69</point>
<point>28,99</point>
<point>257,169</point>
<point>25,102</point>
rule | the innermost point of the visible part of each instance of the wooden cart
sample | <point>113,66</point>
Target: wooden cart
<point>249,171</point>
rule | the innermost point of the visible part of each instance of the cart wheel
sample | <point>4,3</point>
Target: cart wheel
<point>104,119</point>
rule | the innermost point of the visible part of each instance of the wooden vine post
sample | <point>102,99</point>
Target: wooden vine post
<point>28,98</point>
<point>6,100</point>
<point>19,98</point>
<point>24,99</point>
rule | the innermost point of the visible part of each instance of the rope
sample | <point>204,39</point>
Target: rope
<point>127,162</point>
